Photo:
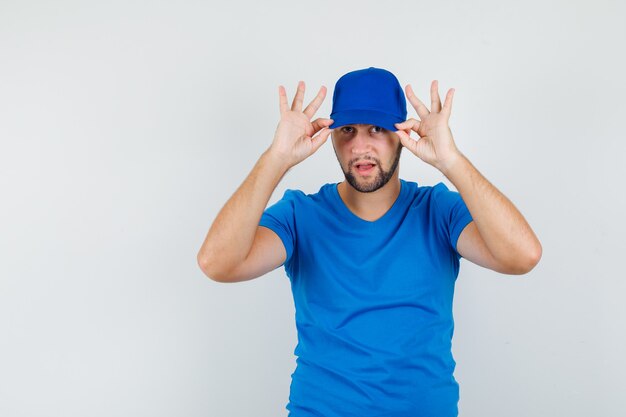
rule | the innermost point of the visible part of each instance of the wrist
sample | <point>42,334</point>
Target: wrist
<point>451,164</point>
<point>276,159</point>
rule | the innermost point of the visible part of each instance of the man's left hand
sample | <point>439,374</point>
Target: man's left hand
<point>435,145</point>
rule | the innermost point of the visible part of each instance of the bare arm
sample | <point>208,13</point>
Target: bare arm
<point>503,229</point>
<point>500,237</point>
<point>231,236</point>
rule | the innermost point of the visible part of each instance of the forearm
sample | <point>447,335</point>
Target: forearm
<point>504,230</point>
<point>231,235</point>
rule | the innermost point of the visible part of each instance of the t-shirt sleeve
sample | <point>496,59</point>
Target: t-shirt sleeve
<point>453,214</point>
<point>279,217</point>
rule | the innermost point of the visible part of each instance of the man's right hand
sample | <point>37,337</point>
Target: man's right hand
<point>293,141</point>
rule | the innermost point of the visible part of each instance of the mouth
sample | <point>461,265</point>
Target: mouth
<point>364,169</point>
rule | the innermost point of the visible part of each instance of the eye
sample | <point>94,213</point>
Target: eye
<point>346,129</point>
<point>380,129</point>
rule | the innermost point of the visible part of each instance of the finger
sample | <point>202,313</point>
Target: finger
<point>320,139</point>
<point>447,105</point>
<point>420,108</point>
<point>311,109</point>
<point>297,100</point>
<point>435,100</point>
<point>407,141</point>
<point>282,98</point>
<point>319,124</point>
<point>411,124</point>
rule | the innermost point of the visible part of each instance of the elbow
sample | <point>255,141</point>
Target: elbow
<point>535,256</point>
<point>208,268</point>
<point>527,263</point>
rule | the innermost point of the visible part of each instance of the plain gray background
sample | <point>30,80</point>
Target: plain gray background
<point>126,125</point>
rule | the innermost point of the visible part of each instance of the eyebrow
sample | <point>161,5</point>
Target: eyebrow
<point>361,124</point>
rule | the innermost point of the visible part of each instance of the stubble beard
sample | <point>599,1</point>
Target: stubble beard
<point>382,176</point>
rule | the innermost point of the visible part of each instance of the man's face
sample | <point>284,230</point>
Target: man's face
<point>359,144</point>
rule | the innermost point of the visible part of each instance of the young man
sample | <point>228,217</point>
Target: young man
<point>372,260</point>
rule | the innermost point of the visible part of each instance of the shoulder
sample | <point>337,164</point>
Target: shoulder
<point>301,195</point>
<point>444,196</point>
<point>441,188</point>
<point>293,195</point>
<point>424,190</point>
<point>421,195</point>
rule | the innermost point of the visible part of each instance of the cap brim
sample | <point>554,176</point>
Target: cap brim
<point>369,117</point>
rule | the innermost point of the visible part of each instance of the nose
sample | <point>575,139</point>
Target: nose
<point>361,143</point>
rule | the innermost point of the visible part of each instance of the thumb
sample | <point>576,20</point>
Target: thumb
<point>406,140</point>
<point>320,139</point>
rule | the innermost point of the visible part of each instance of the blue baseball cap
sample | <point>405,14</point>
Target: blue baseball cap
<point>368,96</point>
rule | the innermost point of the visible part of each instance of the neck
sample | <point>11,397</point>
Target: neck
<point>372,205</point>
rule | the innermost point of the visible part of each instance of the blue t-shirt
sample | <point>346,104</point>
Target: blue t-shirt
<point>373,302</point>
